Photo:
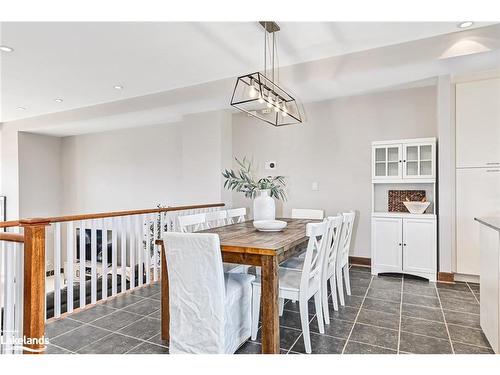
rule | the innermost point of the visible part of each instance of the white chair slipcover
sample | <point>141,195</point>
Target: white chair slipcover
<point>210,311</point>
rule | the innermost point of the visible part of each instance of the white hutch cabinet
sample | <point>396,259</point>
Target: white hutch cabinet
<point>404,242</point>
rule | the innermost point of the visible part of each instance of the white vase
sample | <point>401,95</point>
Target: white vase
<point>264,207</point>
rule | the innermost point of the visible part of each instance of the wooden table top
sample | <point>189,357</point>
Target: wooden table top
<point>244,238</point>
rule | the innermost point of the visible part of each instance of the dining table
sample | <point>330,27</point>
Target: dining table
<point>241,243</point>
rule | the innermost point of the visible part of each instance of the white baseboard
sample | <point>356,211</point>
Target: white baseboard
<point>467,278</point>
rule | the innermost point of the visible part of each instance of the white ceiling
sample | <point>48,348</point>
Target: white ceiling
<point>81,62</point>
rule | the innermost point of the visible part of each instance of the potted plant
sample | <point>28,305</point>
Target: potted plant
<point>262,191</point>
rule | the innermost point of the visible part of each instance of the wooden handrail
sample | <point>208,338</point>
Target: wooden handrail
<point>9,224</point>
<point>11,237</point>
<point>104,215</point>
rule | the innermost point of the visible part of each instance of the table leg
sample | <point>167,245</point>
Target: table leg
<point>165,312</point>
<point>269,303</point>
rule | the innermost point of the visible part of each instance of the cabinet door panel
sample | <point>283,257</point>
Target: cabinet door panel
<point>477,195</point>
<point>477,119</point>
<point>386,242</point>
<point>419,245</point>
<point>387,162</point>
<point>419,160</point>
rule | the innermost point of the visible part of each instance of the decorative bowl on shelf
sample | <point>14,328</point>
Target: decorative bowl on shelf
<point>416,207</point>
<point>270,225</point>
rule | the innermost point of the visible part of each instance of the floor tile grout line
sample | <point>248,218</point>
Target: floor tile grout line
<point>60,347</point>
<point>400,314</point>
<point>356,318</point>
<point>440,308</point>
<point>445,324</point>
<point>473,293</point>
<point>93,342</point>
<point>377,346</point>
<point>474,345</point>
<point>129,336</point>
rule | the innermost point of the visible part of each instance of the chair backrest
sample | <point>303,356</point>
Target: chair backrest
<point>216,219</point>
<point>332,245</point>
<point>192,223</point>
<point>196,292</point>
<point>236,215</point>
<point>313,261</point>
<point>304,213</point>
<point>345,240</point>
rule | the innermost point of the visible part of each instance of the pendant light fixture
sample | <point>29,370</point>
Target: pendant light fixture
<point>259,95</point>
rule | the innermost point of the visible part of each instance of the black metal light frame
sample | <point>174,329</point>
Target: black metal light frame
<point>264,84</point>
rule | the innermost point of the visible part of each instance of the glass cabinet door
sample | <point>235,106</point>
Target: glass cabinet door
<point>387,162</point>
<point>418,161</point>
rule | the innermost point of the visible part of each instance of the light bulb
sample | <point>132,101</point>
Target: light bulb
<point>253,92</point>
<point>269,101</point>
<point>261,99</point>
<point>283,108</point>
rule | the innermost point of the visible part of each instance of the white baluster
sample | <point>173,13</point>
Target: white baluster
<point>9,294</point>
<point>123,253</point>
<point>147,249</point>
<point>132,244</point>
<point>57,270</point>
<point>93,262</point>
<point>83,250</point>
<point>114,244</point>
<point>70,251</point>
<point>140,248</point>
<point>19,282</point>
<point>155,249</point>
<point>2,288</point>
<point>104,247</point>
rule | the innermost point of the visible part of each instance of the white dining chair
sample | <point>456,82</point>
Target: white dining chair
<point>330,264</point>
<point>215,219</point>
<point>343,255</point>
<point>305,213</point>
<point>300,285</point>
<point>236,215</point>
<point>192,223</point>
<point>210,311</point>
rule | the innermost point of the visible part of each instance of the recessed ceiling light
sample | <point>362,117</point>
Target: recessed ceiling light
<point>118,87</point>
<point>58,100</point>
<point>466,24</point>
<point>6,49</point>
<point>21,108</point>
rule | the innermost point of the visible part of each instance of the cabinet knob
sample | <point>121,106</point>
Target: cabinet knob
<point>404,244</point>
<point>404,161</point>
<point>399,244</point>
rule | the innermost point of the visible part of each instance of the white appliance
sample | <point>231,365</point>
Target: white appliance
<point>477,165</point>
<point>404,242</point>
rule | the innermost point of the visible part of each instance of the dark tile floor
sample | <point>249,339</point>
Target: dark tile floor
<point>385,314</point>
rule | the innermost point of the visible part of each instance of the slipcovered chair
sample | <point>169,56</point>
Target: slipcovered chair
<point>210,311</point>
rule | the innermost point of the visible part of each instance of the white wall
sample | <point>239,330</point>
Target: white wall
<point>39,175</point>
<point>177,163</point>
<point>333,148</point>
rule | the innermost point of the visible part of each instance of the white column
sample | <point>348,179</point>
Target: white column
<point>446,173</point>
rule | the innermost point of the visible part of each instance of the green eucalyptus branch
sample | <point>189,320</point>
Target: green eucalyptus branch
<point>243,181</point>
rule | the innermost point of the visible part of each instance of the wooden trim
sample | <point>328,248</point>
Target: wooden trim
<point>12,237</point>
<point>360,261</point>
<point>129,213</point>
<point>103,215</point>
<point>446,277</point>
<point>9,224</point>
<point>34,282</point>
